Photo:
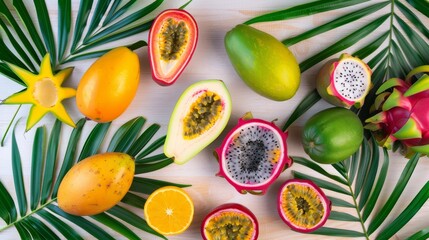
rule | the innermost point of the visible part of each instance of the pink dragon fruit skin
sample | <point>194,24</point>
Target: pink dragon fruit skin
<point>344,82</point>
<point>242,145</point>
<point>403,115</point>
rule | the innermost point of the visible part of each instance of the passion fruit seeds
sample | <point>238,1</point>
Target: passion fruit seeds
<point>203,114</point>
<point>230,221</point>
<point>200,115</point>
<point>173,38</point>
<point>253,155</point>
<point>302,205</point>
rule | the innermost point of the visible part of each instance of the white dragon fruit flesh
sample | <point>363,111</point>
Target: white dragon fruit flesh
<point>344,82</point>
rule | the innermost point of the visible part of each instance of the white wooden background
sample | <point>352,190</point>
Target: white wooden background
<point>210,61</point>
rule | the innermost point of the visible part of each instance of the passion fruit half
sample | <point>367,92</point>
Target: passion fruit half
<point>172,41</point>
<point>200,115</point>
<point>230,221</point>
<point>302,205</point>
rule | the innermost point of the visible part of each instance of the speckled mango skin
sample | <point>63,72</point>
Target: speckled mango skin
<point>96,184</point>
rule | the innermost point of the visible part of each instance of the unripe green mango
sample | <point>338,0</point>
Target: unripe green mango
<point>264,63</point>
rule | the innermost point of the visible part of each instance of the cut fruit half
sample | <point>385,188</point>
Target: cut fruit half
<point>302,205</point>
<point>171,44</point>
<point>230,221</point>
<point>44,92</point>
<point>344,82</point>
<point>200,115</point>
<point>169,210</point>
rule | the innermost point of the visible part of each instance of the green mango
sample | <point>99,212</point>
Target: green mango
<point>264,63</point>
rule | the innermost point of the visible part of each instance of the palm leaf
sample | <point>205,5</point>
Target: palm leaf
<point>401,43</point>
<point>46,28</point>
<point>397,50</point>
<point>82,19</point>
<point>99,12</point>
<point>369,198</point>
<point>43,188</point>
<point>73,45</point>
<point>64,26</point>
<point>4,10</point>
<point>29,24</point>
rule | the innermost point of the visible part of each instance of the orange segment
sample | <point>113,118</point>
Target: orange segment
<point>169,210</point>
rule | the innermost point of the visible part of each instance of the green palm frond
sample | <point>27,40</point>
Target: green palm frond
<point>391,52</point>
<point>25,215</point>
<point>121,20</point>
<point>359,182</point>
<point>398,42</point>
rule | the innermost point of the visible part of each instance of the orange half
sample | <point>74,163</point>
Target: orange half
<point>169,210</point>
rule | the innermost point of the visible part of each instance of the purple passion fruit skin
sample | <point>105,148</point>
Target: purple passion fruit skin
<point>230,221</point>
<point>172,41</point>
<point>302,205</point>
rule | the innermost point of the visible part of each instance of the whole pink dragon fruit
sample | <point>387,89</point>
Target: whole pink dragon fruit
<point>404,115</point>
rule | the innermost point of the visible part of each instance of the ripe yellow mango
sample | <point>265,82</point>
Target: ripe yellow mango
<point>96,184</point>
<point>109,85</point>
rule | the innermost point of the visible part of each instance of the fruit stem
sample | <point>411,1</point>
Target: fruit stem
<point>28,215</point>
<point>357,209</point>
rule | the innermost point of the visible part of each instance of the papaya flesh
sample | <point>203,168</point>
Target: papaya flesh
<point>171,44</point>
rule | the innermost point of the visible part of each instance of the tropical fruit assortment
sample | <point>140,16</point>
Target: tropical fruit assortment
<point>253,153</point>
<point>172,41</point>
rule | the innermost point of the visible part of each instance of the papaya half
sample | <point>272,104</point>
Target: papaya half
<point>171,43</point>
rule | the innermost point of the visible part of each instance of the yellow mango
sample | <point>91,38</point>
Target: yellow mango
<point>109,85</point>
<point>96,184</point>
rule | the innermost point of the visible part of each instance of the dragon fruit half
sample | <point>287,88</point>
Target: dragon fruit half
<point>403,116</point>
<point>344,82</point>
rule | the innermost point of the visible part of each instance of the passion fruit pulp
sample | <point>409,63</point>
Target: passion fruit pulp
<point>230,221</point>
<point>171,44</point>
<point>302,205</point>
<point>200,115</point>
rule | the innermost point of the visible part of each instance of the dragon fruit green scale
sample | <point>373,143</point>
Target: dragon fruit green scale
<point>402,114</point>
